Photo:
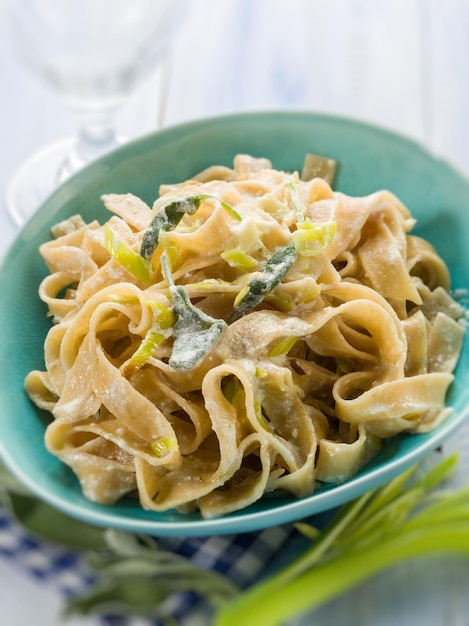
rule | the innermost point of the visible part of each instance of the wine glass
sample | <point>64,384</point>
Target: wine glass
<point>93,53</point>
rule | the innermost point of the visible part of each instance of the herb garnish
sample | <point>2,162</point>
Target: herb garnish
<point>169,216</point>
<point>195,332</point>
<point>261,286</point>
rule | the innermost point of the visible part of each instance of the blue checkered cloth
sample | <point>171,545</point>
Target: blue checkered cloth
<point>243,558</point>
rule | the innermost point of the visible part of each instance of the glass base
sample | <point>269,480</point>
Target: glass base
<point>36,179</point>
<point>40,175</point>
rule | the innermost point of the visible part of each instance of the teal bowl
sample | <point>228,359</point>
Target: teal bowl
<point>370,159</point>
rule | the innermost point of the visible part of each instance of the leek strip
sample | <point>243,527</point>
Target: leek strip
<point>292,188</point>
<point>283,304</point>
<point>311,239</point>
<point>261,420</point>
<point>139,267</point>
<point>239,259</point>
<point>145,351</point>
<point>162,447</point>
<point>158,331</point>
<point>282,347</point>
<point>317,166</point>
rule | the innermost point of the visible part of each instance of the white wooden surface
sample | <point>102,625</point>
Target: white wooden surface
<point>401,64</point>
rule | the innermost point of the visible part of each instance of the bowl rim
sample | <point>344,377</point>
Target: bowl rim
<point>241,521</point>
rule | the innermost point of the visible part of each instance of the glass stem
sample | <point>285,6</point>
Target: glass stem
<point>96,136</point>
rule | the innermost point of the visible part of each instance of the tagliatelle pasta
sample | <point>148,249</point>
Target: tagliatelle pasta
<point>252,332</point>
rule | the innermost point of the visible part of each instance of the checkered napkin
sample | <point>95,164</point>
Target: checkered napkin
<point>243,558</point>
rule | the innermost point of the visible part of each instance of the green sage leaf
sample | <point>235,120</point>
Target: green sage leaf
<point>261,286</point>
<point>169,216</point>
<point>48,523</point>
<point>194,332</point>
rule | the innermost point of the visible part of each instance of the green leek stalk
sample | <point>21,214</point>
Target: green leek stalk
<point>381,528</point>
<point>274,603</point>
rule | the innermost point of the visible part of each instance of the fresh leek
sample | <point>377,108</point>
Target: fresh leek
<point>311,239</point>
<point>163,321</point>
<point>163,446</point>
<point>282,347</point>
<point>135,264</point>
<point>390,524</point>
<point>240,260</point>
<point>293,189</point>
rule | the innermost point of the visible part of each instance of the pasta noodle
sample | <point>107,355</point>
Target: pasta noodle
<point>253,332</point>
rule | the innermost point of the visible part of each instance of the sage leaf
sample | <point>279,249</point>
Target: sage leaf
<point>166,218</point>
<point>132,574</point>
<point>135,595</point>
<point>261,286</point>
<point>169,216</point>
<point>195,332</point>
<point>46,522</point>
<point>10,484</point>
